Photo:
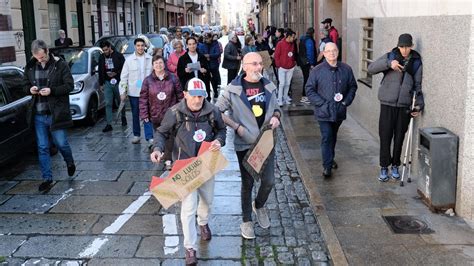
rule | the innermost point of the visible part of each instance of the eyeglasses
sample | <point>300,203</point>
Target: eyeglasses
<point>254,64</point>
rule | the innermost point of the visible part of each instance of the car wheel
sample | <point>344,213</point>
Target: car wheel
<point>92,112</point>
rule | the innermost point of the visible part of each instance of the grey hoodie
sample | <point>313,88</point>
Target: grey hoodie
<point>234,100</point>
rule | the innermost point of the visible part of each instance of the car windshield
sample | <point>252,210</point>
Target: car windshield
<point>157,41</point>
<point>78,60</point>
<point>128,47</point>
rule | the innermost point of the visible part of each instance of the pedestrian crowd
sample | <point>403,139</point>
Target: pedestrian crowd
<point>170,94</point>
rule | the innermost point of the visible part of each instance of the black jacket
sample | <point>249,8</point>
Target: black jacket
<point>183,61</point>
<point>118,60</point>
<point>61,83</point>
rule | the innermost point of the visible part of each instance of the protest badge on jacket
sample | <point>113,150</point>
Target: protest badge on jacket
<point>187,175</point>
<point>256,158</point>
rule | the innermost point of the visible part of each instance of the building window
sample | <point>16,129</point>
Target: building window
<point>367,52</point>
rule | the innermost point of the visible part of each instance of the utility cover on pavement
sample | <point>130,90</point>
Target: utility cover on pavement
<point>405,224</point>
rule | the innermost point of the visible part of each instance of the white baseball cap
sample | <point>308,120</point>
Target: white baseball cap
<point>196,87</point>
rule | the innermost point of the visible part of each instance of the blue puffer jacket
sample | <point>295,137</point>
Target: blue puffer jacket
<point>323,83</point>
<point>213,50</point>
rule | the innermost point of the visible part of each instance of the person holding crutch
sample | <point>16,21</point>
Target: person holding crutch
<point>402,68</point>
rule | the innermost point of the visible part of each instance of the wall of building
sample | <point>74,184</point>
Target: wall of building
<point>445,42</point>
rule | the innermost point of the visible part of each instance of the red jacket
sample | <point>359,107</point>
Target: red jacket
<point>172,63</point>
<point>157,96</point>
<point>333,34</point>
<point>285,55</point>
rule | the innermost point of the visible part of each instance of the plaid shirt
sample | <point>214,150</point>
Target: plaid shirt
<point>41,76</point>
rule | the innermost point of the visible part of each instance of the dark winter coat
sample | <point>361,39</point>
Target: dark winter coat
<point>397,88</point>
<point>118,60</point>
<point>320,90</point>
<point>151,106</point>
<point>307,50</point>
<point>213,50</point>
<point>183,61</point>
<point>230,56</point>
<point>60,82</point>
<point>184,145</point>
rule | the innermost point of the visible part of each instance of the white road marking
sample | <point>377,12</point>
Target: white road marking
<point>128,213</point>
<point>170,229</point>
<point>93,248</point>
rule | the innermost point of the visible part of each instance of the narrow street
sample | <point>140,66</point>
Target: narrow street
<point>104,214</point>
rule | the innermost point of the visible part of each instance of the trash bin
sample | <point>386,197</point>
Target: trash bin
<point>437,155</point>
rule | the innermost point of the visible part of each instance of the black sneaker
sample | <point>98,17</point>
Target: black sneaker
<point>124,121</point>
<point>107,128</point>
<point>327,172</point>
<point>71,169</point>
<point>45,186</point>
<point>334,165</point>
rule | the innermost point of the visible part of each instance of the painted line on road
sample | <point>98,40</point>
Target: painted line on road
<point>128,213</point>
<point>170,230</point>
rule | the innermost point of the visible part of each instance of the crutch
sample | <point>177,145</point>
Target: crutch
<point>409,145</point>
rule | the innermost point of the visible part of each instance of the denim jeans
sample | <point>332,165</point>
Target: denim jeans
<point>42,129</point>
<point>284,76</point>
<point>328,141</point>
<point>266,184</point>
<point>147,127</point>
<point>111,93</point>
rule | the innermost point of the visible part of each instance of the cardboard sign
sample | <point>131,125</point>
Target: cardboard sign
<point>256,158</point>
<point>266,59</point>
<point>187,175</point>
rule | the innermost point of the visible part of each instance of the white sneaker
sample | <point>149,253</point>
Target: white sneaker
<point>246,229</point>
<point>135,140</point>
<point>262,216</point>
<point>305,100</point>
<point>150,141</point>
<point>288,100</point>
<point>280,103</point>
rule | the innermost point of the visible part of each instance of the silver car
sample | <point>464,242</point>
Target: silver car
<point>86,99</point>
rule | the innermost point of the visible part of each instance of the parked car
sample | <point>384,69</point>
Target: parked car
<point>216,30</point>
<point>125,44</point>
<point>163,30</point>
<point>157,40</point>
<point>86,99</point>
<point>239,31</point>
<point>198,30</point>
<point>17,135</point>
<point>187,29</point>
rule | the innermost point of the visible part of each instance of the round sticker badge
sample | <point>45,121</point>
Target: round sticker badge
<point>113,81</point>
<point>290,54</point>
<point>161,96</point>
<point>338,97</point>
<point>257,110</point>
<point>199,135</point>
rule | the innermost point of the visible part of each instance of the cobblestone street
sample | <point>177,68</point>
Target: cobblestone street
<point>69,224</point>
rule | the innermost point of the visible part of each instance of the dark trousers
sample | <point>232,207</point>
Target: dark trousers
<point>215,81</point>
<point>305,70</point>
<point>328,141</point>
<point>393,124</point>
<point>266,184</point>
<point>231,74</point>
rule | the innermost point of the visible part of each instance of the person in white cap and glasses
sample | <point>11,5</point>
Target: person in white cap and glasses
<point>192,121</point>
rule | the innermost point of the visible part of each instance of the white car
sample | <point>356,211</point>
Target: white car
<point>86,99</point>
